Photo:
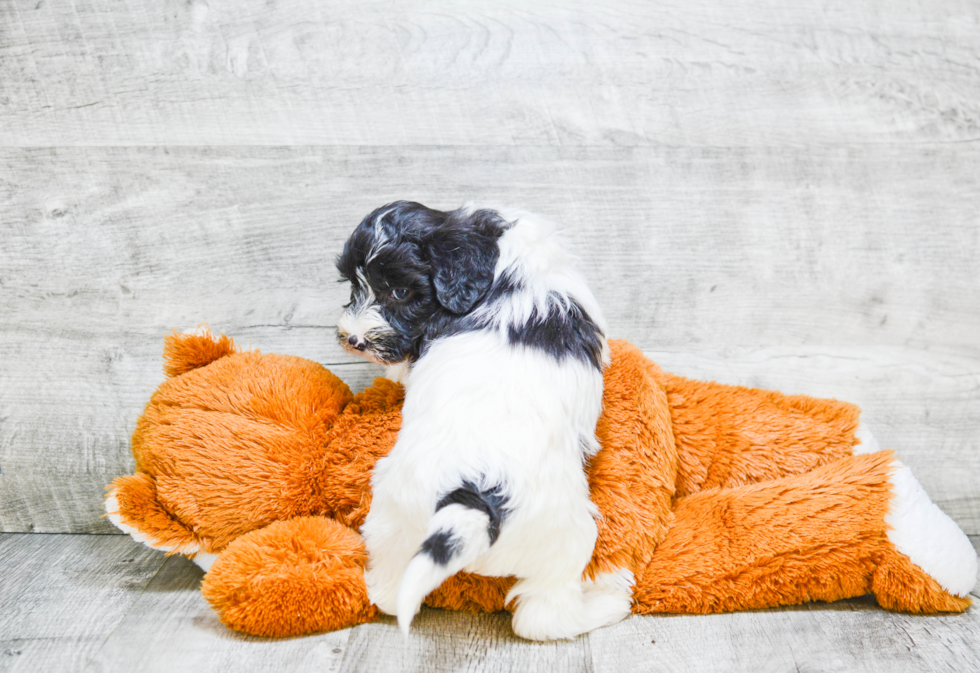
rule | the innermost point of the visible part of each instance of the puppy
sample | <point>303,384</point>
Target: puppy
<point>504,347</point>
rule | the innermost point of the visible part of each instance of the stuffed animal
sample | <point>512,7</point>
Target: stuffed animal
<point>715,497</point>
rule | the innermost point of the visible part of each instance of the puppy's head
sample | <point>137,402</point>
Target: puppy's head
<point>414,271</point>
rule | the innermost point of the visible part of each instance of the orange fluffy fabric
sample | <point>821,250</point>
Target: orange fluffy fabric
<point>716,497</point>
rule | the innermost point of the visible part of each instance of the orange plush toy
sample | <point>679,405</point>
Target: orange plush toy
<point>715,497</point>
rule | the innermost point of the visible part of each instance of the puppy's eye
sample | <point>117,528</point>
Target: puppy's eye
<point>400,293</point>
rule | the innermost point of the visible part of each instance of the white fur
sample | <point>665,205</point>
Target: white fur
<point>922,531</point>
<point>926,534</point>
<point>364,316</point>
<point>479,409</point>
<point>606,600</point>
<point>534,251</point>
<point>380,237</point>
<point>398,372</point>
<point>204,560</point>
<point>423,575</point>
<point>866,441</point>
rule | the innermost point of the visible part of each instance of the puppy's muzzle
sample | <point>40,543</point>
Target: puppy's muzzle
<point>356,343</point>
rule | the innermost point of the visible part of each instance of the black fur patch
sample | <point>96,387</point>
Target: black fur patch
<point>444,259</point>
<point>566,331</point>
<point>491,502</point>
<point>441,546</point>
<point>463,255</point>
<point>447,325</point>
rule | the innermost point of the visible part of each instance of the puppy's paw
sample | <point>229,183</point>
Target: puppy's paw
<point>570,609</point>
<point>608,598</point>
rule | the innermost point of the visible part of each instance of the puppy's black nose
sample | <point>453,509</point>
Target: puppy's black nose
<point>356,343</point>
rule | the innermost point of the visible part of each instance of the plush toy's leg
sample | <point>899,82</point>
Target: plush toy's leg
<point>132,506</point>
<point>922,536</point>
<point>292,577</point>
<point>929,564</point>
<point>729,436</point>
<point>852,527</point>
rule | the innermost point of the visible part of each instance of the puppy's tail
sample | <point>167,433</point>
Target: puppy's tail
<point>464,526</point>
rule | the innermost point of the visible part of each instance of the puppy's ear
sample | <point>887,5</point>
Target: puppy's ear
<point>462,267</point>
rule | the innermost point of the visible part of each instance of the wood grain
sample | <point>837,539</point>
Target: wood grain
<point>62,595</point>
<point>808,271</point>
<point>453,641</point>
<point>696,73</point>
<point>854,635</point>
<point>172,628</point>
<point>782,195</point>
<point>103,603</point>
<point>686,248</point>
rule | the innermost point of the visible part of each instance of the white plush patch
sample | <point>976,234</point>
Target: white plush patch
<point>204,560</point>
<point>112,509</point>
<point>866,441</point>
<point>926,534</point>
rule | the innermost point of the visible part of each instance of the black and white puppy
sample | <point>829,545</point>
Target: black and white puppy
<point>504,347</point>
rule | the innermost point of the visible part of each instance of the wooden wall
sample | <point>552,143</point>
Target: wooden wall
<point>777,196</point>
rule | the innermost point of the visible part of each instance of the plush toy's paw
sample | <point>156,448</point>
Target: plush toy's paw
<point>899,584</point>
<point>929,564</point>
<point>292,577</point>
<point>132,506</point>
<point>933,566</point>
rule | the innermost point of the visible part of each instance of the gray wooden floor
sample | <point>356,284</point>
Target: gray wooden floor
<point>105,603</point>
<point>784,195</point>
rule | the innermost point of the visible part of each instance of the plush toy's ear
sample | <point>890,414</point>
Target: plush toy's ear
<point>462,266</point>
<point>184,352</point>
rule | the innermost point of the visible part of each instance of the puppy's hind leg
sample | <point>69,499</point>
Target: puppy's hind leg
<point>553,611</point>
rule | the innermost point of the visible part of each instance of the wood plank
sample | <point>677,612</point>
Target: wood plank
<point>783,266</point>
<point>62,595</point>
<point>853,635</point>
<point>686,248</point>
<point>104,603</point>
<point>698,73</point>
<point>457,641</point>
<point>172,628</point>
